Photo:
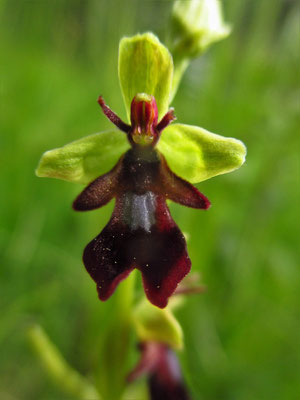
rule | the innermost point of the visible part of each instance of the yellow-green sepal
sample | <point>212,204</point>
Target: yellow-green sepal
<point>145,66</point>
<point>196,154</point>
<point>85,159</point>
<point>157,325</point>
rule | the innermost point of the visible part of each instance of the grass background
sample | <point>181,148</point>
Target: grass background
<point>242,335</point>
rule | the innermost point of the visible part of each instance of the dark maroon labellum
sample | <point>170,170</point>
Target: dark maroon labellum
<point>141,232</point>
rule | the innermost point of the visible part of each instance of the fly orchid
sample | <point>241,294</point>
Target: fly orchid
<point>141,232</point>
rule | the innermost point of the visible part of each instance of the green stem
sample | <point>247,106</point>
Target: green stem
<point>113,366</point>
<point>65,377</point>
<point>180,66</point>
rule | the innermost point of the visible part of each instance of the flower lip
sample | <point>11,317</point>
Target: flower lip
<point>144,116</point>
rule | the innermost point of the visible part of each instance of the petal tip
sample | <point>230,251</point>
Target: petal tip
<point>159,295</point>
<point>207,205</point>
<point>104,293</point>
<point>238,154</point>
<point>38,173</point>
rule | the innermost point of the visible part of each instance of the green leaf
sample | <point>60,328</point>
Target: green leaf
<point>145,66</point>
<point>158,325</point>
<point>85,159</point>
<point>66,377</point>
<point>196,154</point>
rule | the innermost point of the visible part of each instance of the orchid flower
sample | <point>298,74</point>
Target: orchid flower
<point>149,161</point>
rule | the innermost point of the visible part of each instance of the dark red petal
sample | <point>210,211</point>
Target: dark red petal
<point>106,259</point>
<point>166,120</point>
<point>163,259</point>
<point>112,116</point>
<point>179,190</point>
<point>163,272</point>
<point>100,191</point>
<point>141,234</point>
<point>112,255</point>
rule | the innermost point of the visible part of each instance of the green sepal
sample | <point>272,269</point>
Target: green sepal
<point>196,154</point>
<point>158,325</point>
<point>145,66</point>
<point>85,159</point>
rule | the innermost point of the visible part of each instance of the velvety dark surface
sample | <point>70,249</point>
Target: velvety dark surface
<point>141,233</point>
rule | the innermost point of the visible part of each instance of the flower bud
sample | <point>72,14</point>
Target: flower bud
<point>196,24</point>
<point>160,364</point>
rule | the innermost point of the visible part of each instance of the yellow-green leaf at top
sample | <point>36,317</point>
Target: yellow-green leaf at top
<point>196,154</point>
<point>85,159</point>
<point>145,66</point>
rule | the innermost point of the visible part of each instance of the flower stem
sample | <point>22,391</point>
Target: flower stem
<point>180,66</point>
<point>113,366</point>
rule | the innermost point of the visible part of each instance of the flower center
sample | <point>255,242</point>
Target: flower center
<point>144,120</point>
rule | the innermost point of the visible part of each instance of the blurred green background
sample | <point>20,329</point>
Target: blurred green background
<point>242,335</point>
